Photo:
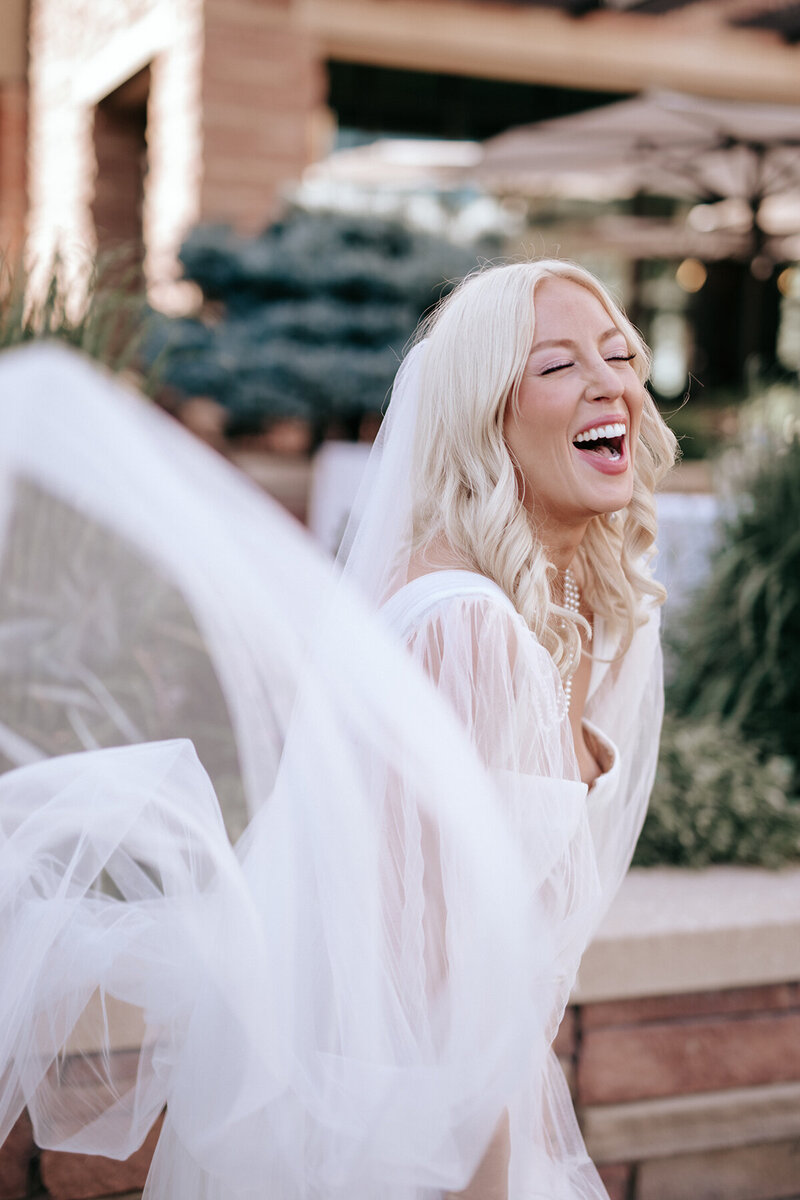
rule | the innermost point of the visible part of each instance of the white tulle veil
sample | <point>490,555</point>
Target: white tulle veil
<point>342,993</point>
<point>304,1003</point>
<point>376,546</point>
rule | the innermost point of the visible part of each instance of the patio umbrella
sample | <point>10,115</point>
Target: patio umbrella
<point>660,142</point>
<point>692,147</point>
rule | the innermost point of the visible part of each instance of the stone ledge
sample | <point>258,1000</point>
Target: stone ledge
<point>16,1155</point>
<point>764,1172</point>
<point>616,1014</point>
<point>68,1176</point>
<point>137,1195</point>
<point>689,1124</point>
<point>671,930</point>
<point>616,1179</point>
<point>678,1058</point>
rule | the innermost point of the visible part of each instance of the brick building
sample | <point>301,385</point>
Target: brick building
<point>149,115</point>
<point>13,123</point>
<point>145,116</point>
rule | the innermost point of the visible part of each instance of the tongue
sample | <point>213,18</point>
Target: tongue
<point>598,448</point>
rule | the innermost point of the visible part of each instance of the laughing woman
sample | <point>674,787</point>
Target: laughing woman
<point>358,1001</point>
<point>506,527</point>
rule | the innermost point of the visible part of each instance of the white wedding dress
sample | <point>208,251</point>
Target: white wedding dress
<point>510,700</point>
<point>345,1002</point>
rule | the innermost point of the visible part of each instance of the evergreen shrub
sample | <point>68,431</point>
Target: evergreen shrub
<point>308,319</point>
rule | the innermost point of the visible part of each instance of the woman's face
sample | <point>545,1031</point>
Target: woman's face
<point>574,430</point>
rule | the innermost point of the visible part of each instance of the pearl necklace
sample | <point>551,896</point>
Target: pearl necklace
<point>572,602</point>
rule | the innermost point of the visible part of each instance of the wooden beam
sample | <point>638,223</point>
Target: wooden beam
<point>13,40</point>
<point>690,50</point>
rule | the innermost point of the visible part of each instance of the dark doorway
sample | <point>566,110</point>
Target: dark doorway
<point>735,321</point>
<point>432,104</point>
<point>120,142</point>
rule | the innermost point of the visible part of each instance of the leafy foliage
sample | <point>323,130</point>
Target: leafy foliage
<point>739,656</point>
<point>728,774</point>
<point>701,424</point>
<point>717,799</point>
<point>105,316</point>
<point>308,319</point>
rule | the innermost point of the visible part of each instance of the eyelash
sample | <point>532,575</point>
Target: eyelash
<point>612,358</point>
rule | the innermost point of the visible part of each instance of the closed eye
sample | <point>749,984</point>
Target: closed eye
<point>557,367</point>
<point>621,357</point>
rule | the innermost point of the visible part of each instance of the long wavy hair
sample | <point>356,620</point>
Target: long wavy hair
<point>466,488</point>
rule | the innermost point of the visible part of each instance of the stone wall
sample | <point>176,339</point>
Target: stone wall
<point>684,1045</point>
<point>681,1047</point>
<point>692,1096</point>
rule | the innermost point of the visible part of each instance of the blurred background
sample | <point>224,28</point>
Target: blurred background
<point>395,142</point>
<point>244,207</point>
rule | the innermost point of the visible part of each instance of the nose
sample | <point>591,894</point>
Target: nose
<point>603,380</point>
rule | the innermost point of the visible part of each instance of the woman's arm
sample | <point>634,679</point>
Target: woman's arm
<point>490,1181</point>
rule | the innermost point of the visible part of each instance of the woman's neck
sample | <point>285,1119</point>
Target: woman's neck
<point>561,545</point>
<point>437,555</point>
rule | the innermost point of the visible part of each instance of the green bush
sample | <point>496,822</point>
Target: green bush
<point>727,781</point>
<point>700,426</point>
<point>739,650</point>
<point>718,799</point>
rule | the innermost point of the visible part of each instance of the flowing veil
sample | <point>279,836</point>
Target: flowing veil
<point>259,877</point>
<point>251,870</point>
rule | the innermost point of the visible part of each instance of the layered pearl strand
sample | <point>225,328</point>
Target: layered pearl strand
<point>572,602</point>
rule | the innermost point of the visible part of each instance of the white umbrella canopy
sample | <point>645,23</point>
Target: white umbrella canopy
<point>739,162</point>
<point>660,142</point>
<point>398,162</point>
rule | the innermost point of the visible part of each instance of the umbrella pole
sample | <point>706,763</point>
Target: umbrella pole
<point>760,309</point>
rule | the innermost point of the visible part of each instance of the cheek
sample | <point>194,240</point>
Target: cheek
<point>540,420</point>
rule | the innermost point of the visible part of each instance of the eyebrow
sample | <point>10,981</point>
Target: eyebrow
<point>548,345</point>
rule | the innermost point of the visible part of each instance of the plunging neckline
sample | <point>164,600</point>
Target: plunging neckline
<point>410,603</point>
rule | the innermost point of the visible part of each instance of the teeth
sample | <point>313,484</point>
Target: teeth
<point>618,429</point>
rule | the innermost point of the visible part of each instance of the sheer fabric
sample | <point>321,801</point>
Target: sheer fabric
<point>507,694</point>
<point>347,1001</point>
<point>341,1004</point>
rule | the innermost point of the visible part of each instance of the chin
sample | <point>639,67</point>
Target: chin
<point>603,507</point>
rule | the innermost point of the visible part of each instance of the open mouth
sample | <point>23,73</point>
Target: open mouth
<point>607,441</point>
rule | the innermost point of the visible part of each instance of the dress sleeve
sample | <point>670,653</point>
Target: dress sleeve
<point>341,1004</point>
<point>506,691</point>
<point>501,682</point>
<point>627,706</point>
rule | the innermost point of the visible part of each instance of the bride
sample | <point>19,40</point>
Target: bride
<point>359,998</point>
<point>507,527</point>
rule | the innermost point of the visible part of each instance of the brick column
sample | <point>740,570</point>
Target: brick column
<point>262,89</point>
<point>13,174</point>
<point>84,55</point>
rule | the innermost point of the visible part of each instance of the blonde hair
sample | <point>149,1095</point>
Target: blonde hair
<point>466,488</point>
